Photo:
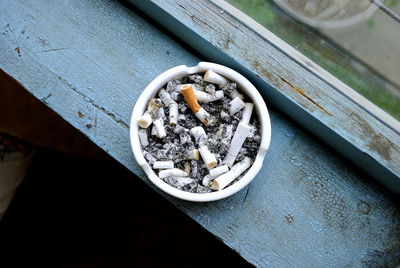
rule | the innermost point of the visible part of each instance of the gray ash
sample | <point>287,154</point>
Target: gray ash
<point>179,142</point>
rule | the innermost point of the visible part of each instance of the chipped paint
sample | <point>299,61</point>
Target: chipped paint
<point>301,92</point>
<point>18,50</point>
<point>375,141</point>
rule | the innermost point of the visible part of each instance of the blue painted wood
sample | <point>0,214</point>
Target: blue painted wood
<point>307,206</point>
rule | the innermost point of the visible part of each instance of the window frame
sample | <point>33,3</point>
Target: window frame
<point>356,128</point>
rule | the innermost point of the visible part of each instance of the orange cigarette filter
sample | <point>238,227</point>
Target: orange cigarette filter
<point>190,97</point>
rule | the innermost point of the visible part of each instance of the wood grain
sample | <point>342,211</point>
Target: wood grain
<point>307,206</point>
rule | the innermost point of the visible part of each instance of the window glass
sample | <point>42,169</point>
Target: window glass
<point>355,40</point>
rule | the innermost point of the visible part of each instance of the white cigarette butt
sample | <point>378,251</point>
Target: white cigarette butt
<point>145,120</point>
<point>159,124</point>
<point>161,113</point>
<point>213,77</point>
<point>172,105</point>
<point>154,131</point>
<point>206,180</point>
<point>222,181</point>
<point>179,181</point>
<point>204,116</point>
<point>224,115</point>
<point>163,165</point>
<point>172,172</point>
<point>143,137</point>
<point>208,158</point>
<point>236,105</point>
<point>200,136</point>
<point>215,172</point>
<point>173,114</point>
<point>165,97</point>
<point>149,157</point>
<point>210,88</point>
<point>193,155</point>
<point>235,93</point>
<point>187,167</point>
<point>246,114</point>
<point>241,133</point>
<point>207,97</point>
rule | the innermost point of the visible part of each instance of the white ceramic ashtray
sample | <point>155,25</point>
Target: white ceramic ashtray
<point>200,133</point>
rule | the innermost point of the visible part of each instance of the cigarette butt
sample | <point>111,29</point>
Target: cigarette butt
<point>172,105</point>
<point>201,137</point>
<point>163,165</point>
<point>173,114</point>
<point>212,77</point>
<point>179,181</point>
<point>229,132</point>
<point>161,113</point>
<point>210,88</point>
<point>193,155</point>
<point>154,104</point>
<point>199,134</point>
<point>143,137</point>
<point>208,158</point>
<point>165,97</point>
<point>223,180</point>
<point>224,115</point>
<point>145,120</point>
<point>236,105</point>
<point>235,93</point>
<point>241,133</point>
<point>247,111</point>
<point>154,131</point>
<point>149,157</point>
<point>220,130</point>
<point>207,180</point>
<point>187,167</point>
<point>204,116</point>
<point>172,172</point>
<point>207,97</point>
<point>215,172</point>
<point>159,124</point>
<point>190,97</point>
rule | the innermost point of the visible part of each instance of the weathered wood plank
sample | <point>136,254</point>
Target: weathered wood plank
<point>307,206</point>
